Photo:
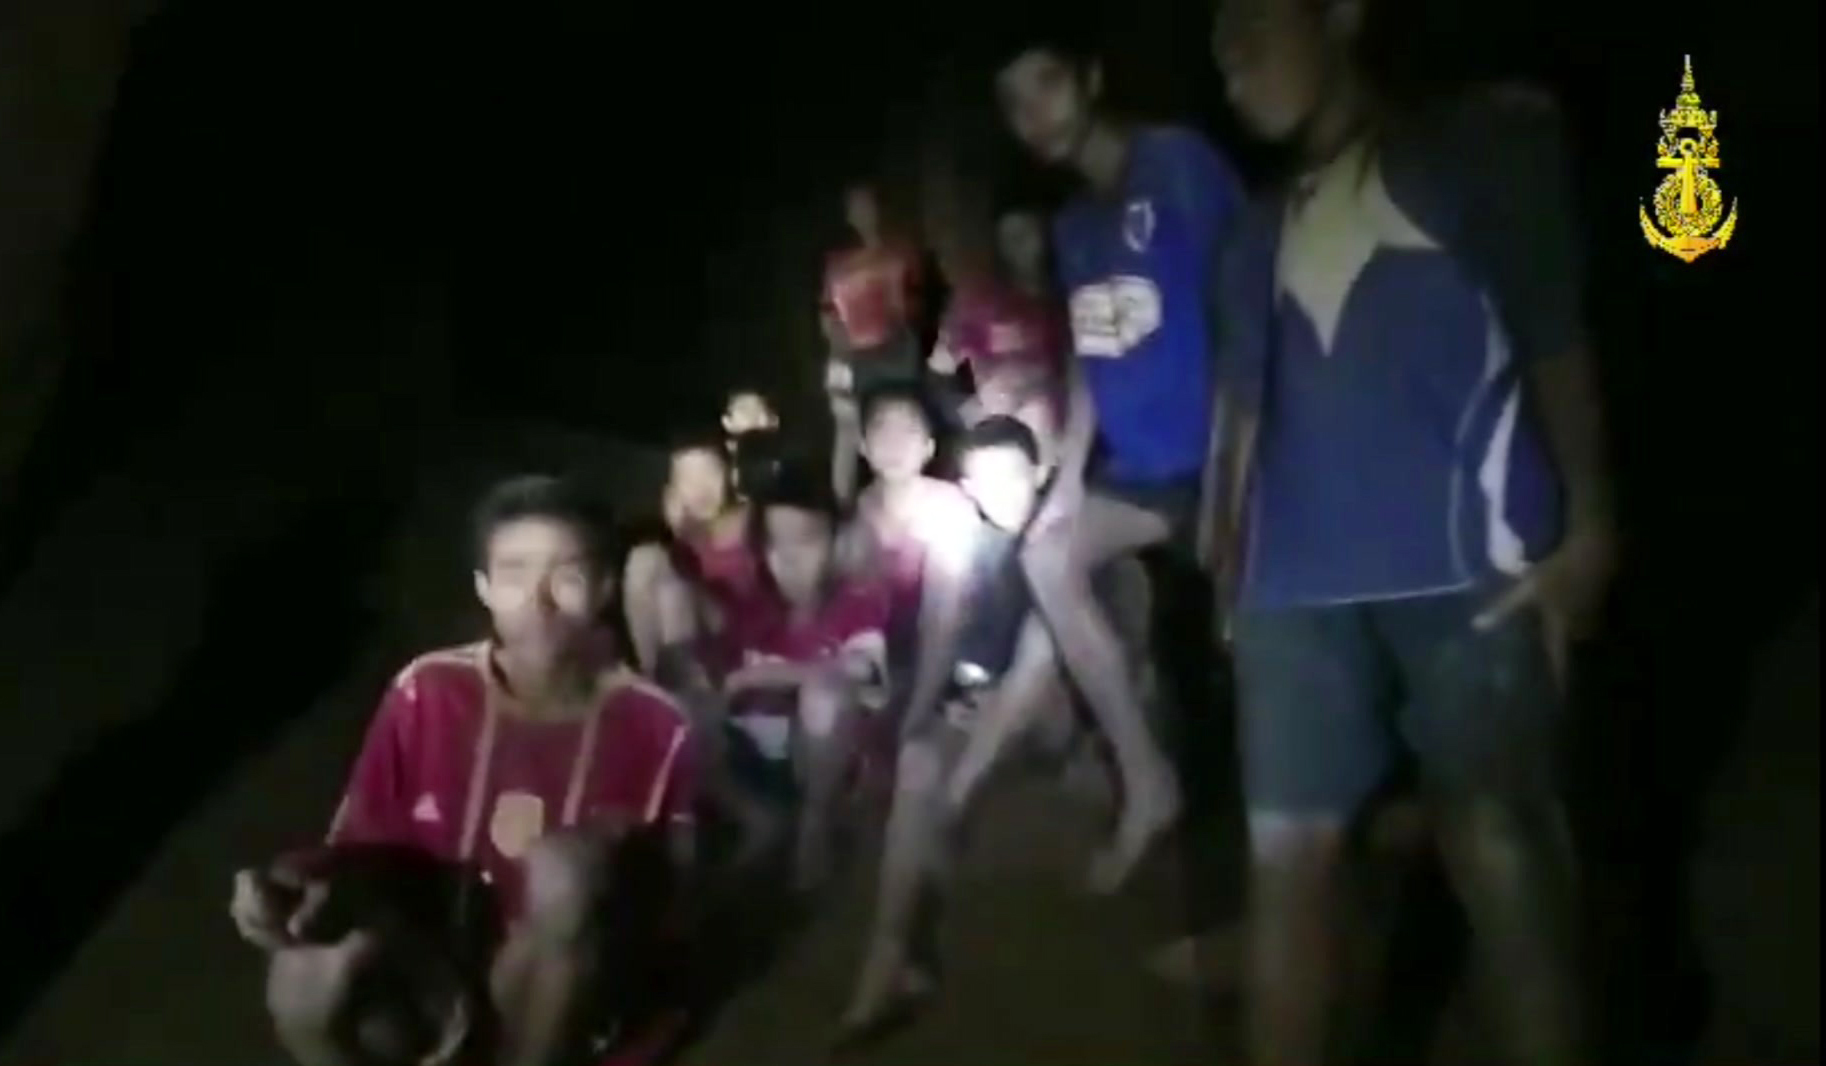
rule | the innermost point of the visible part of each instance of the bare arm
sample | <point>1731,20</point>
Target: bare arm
<point>1566,394</point>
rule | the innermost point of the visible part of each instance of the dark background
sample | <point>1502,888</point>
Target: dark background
<point>325,238</point>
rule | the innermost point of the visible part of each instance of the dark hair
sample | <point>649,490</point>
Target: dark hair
<point>1001,431</point>
<point>545,498</point>
<point>796,487</point>
<point>896,394</point>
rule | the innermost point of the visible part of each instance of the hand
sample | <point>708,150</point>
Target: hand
<point>943,361</point>
<point>260,908</point>
<point>1568,587</point>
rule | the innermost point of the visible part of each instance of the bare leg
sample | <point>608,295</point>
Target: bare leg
<point>354,1004</point>
<point>913,864</point>
<point>1510,862</point>
<point>1291,946</point>
<point>1059,561</point>
<point>759,824</point>
<point>1032,684</point>
<point>824,746</point>
<point>544,976</point>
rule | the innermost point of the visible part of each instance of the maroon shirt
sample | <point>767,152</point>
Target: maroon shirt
<point>450,768</point>
<point>1001,331</point>
<point>853,618</point>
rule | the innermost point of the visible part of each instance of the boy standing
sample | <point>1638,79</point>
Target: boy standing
<point>1428,508</point>
<point>1136,254</point>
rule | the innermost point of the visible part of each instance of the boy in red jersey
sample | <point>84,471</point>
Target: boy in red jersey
<point>1010,330</point>
<point>681,596</point>
<point>870,313</point>
<point>812,662</point>
<point>477,898</point>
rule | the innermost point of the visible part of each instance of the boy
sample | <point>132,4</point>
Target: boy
<point>496,785</point>
<point>1003,678</point>
<point>810,660</point>
<point>918,537</point>
<point>1136,253</point>
<point>870,314</point>
<point>1008,329</point>
<point>1428,501</point>
<point>751,434</point>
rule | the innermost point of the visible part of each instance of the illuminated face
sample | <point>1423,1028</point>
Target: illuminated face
<point>540,586</point>
<point>799,548</point>
<point>1005,484</point>
<point>896,442</point>
<point>1273,57</point>
<point>1047,102</point>
<point>748,412</point>
<point>700,483</point>
<point>1020,240</point>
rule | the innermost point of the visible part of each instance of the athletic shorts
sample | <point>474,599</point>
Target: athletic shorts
<point>897,362</point>
<point>1332,697</point>
<point>1174,501</point>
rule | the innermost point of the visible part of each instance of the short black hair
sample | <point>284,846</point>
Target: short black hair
<point>796,487</point>
<point>564,500</point>
<point>896,394</point>
<point>1001,431</point>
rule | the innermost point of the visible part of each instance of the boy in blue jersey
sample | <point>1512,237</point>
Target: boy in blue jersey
<point>1427,508</point>
<point>1136,252</point>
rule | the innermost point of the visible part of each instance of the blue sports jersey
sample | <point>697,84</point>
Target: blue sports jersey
<point>1405,292</point>
<point>1137,268</point>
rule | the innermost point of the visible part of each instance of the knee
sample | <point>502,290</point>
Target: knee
<point>567,881</point>
<point>307,990</point>
<point>824,704</point>
<point>918,770</point>
<point>1294,846</point>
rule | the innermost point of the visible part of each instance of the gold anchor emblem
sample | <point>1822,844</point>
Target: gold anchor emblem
<point>1688,203</point>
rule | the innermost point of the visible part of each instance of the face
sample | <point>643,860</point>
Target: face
<point>897,443</point>
<point>1005,484</point>
<point>1273,55</point>
<point>748,412</point>
<point>540,587</point>
<point>1047,102</point>
<point>862,210</point>
<point>700,482</point>
<point>1020,239</point>
<point>799,545</point>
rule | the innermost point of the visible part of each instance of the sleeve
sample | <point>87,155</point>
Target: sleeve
<point>375,804</point>
<point>1243,306</point>
<point>1519,230</point>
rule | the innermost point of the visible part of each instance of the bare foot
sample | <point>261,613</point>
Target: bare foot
<point>1143,821</point>
<point>886,1000</point>
<point>1211,959</point>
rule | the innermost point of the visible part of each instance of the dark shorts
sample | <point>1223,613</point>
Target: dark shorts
<point>1174,501</point>
<point>1332,697</point>
<point>896,363</point>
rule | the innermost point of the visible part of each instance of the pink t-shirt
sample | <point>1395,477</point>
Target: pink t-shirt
<point>448,767</point>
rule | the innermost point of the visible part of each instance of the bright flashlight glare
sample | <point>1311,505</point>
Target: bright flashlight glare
<point>952,533</point>
<point>970,675</point>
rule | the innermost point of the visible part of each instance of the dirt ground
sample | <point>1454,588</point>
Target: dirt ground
<point>1037,972</point>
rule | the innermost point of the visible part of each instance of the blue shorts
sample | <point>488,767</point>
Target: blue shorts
<point>1330,696</point>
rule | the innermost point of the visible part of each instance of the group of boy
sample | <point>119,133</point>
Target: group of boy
<point>1363,402</point>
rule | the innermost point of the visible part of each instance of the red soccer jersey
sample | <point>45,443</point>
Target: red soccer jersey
<point>1002,331</point>
<point>853,618</point>
<point>729,571</point>
<point>943,513</point>
<point>449,767</point>
<point>870,291</point>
